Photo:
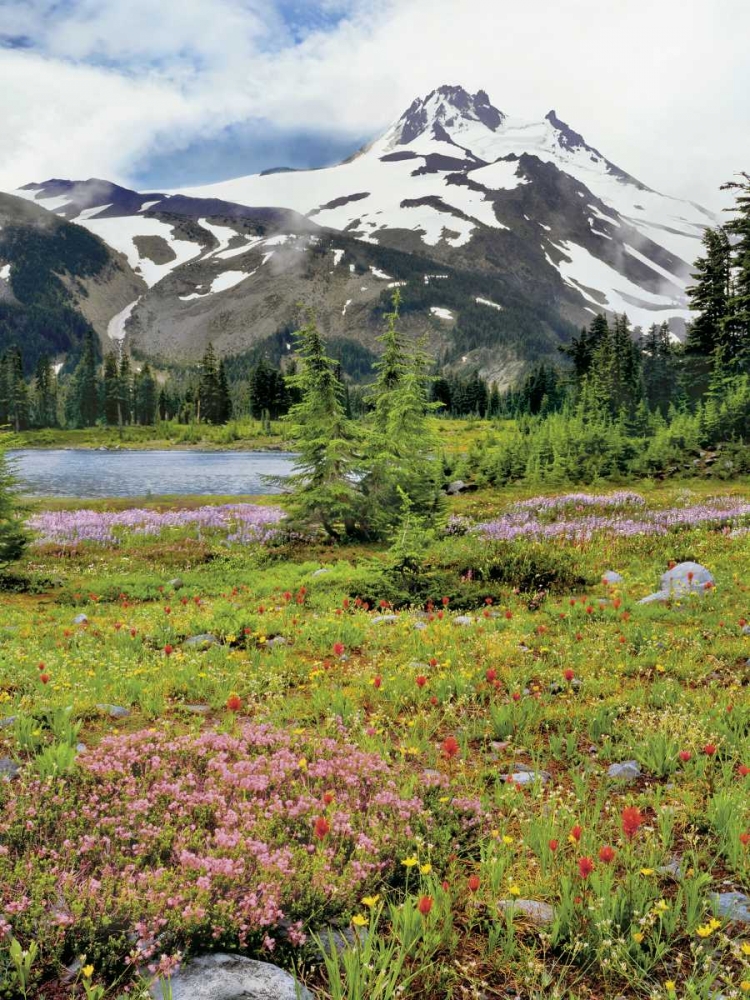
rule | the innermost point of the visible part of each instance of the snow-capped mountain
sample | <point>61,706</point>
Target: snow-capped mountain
<point>502,233</point>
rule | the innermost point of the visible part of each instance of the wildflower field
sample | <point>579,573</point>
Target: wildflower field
<point>485,772</point>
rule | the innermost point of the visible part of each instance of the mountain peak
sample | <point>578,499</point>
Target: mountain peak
<point>443,109</point>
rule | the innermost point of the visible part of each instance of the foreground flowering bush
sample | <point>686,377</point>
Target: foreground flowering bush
<point>165,843</point>
<point>237,522</point>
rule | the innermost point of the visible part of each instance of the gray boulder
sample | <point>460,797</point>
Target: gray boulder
<point>9,720</point>
<point>176,584</point>
<point>525,776</point>
<point>321,572</point>
<point>536,912</point>
<point>611,577</point>
<point>80,620</point>
<point>385,619</point>
<point>229,977</point>
<point>732,906</point>
<point>8,768</point>
<point>114,711</point>
<point>459,486</point>
<point>200,641</point>
<point>746,629</point>
<point>683,579</point>
<point>337,940</point>
<point>463,620</point>
<point>628,770</point>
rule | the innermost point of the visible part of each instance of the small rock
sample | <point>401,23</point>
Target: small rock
<point>81,620</point>
<point>200,641</point>
<point>420,626</point>
<point>9,720</point>
<point>339,939</point>
<point>660,595</point>
<point>197,709</point>
<point>459,486</point>
<point>672,868</point>
<point>8,768</point>
<point>321,572</point>
<point>385,619</point>
<point>278,640</point>
<point>80,747</point>
<point>176,584</point>
<point>526,777</point>
<point>628,770</point>
<point>611,577</point>
<point>229,977</point>
<point>732,906</point>
<point>536,912</point>
<point>463,620</point>
<point>114,711</point>
<point>746,629</point>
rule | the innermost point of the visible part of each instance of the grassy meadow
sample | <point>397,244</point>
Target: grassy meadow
<point>225,739</point>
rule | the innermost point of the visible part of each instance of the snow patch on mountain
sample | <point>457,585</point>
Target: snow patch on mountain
<point>116,326</point>
<point>120,233</point>
<point>605,287</point>
<point>221,283</point>
<point>441,313</point>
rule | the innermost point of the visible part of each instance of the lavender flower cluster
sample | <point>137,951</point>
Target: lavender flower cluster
<point>240,523</point>
<point>529,518</point>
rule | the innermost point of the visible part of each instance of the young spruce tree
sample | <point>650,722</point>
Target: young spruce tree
<point>325,492</point>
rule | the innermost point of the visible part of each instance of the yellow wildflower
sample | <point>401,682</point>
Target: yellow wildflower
<point>647,871</point>
<point>705,930</point>
<point>507,839</point>
<point>638,937</point>
<point>425,869</point>
<point>514,890</point>
<point>670,986</point>
<point>745,985</point>
<point>370,901</point>
<point>410,862</point>
<point>662,906</point>
<point>302,764</point>
<point>746,948</point>
<point>88,971</point>
<point>359,920</point>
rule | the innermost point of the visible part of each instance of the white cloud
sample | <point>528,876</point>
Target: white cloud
<point>661,88</point>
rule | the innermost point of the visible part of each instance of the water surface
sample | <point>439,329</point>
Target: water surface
<point>83,473</point>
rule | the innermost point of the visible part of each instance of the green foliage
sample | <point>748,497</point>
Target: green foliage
<point>324,493</point>
<point>45,320</point>
<point>13,535</point>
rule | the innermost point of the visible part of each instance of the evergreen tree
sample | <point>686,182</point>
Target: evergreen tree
<point>82,400</point>
<point>737,322</point>
<point>145,396</point>
<point>400,445</point>
<point>709,298</point>
<point>223,398</point>
<point>126,400</point>
<point>209,405</point>
<point>112,410</point>
<point>661,369</point>
<point>324,491</point>
<point>13,536</point>
<point>45,394</point>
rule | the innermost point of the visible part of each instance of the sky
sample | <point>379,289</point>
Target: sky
<point>157,94</point>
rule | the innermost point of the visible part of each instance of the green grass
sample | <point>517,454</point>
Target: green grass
<point>647,683</point>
